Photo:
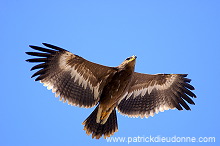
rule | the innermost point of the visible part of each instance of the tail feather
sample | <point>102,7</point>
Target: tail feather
<point>97,129</point>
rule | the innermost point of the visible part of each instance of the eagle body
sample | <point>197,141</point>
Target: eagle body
<point>86,84</point>
<point>113,91</point>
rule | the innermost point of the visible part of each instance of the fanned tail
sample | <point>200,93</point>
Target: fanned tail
<point>97,129</point>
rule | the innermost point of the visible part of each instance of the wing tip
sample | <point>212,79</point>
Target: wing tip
<point>46,44</point>
<point>53,47</point>
<point>184,75</point>
<point>32,46</point>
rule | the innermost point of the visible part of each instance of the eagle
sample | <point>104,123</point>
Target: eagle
<point>82,83</point>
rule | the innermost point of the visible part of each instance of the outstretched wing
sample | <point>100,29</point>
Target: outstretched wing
<point>71,77</point>
<point>150,94</point>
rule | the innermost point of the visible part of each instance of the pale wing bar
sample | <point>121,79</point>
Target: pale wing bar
<point>150,94</point>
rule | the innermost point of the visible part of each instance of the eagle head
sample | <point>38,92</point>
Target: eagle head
<point>128,62</point>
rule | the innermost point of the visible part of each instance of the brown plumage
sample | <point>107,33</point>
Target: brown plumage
<point>86,84</point>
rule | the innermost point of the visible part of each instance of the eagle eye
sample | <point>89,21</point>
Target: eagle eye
<point>128,58</point>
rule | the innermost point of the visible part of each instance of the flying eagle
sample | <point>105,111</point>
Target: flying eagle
<point>86,84</point>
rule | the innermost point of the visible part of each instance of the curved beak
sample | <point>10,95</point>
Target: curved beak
<point>133,57</point>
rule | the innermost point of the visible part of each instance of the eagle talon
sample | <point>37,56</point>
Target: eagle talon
<point>104,115</point>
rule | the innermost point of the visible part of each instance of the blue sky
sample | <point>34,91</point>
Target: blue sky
<point>168,36</point>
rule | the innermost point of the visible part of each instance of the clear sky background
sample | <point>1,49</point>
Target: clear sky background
<point>168,36</point>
